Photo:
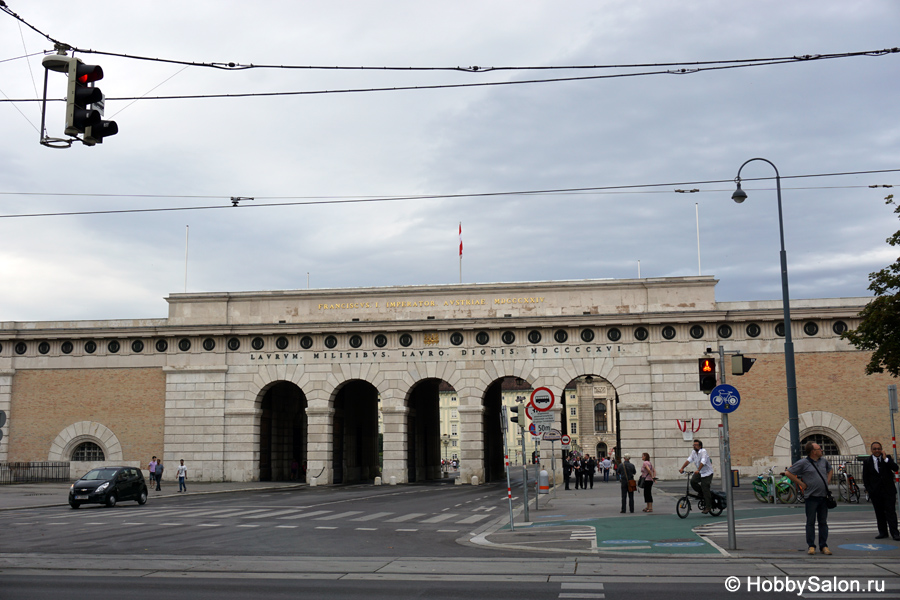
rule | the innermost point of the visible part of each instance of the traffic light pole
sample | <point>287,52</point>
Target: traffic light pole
<point>524,473</point>
<point>726,456</point>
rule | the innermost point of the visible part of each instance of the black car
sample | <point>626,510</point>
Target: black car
<point>109,485</point>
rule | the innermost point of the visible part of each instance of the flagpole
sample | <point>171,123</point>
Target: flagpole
<point>460,251</point>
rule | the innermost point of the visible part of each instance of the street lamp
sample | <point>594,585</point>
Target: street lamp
<point>739,196</point>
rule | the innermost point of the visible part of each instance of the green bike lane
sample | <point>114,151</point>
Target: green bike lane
<point>589,522</point>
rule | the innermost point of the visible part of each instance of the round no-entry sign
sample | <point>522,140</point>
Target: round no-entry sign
<point>542,399</point>
<point>566,440</point>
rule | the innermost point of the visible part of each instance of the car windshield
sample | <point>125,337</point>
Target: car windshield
<point>100,474</point>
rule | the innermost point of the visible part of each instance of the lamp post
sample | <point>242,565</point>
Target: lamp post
<point>739,196</point>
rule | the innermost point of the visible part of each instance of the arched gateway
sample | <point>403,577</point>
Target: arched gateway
<point>348,385</point>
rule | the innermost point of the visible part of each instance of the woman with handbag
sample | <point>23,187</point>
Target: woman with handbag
<point>626,473</point>
<point>648,476</point>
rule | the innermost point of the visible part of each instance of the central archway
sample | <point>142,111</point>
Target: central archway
<point>356,455</point>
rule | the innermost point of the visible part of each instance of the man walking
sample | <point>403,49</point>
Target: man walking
<point>878,477</point>
<point>182,475</point>
<point>811,474</point>
<point>606,464</point>
<point>590,465</point>
<point>702,478</point>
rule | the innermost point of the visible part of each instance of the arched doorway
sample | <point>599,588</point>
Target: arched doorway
<point>590,414</point>
<point>356,446</point>
<point>602,450</point>
<point>508,391</point>
<point>432,428</point>
<point>282,433</point>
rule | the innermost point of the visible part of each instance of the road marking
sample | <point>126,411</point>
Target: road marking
<point>248,525</point>
<point>439,518</point>
<point>448,530</point>
<point>472,519</point>
<point>373,516</point>
<point>407,529</point>
<point>163,524</point>
<point>209,524</point>
<point>285,527</point>
<point>305,515</point>
<point>405,517</point>
<point>277,513</point>
<point>324,527</point>
<point>367,529</point>
<point>342,515</point>
<point>582,586</point>
<point>132,523</point>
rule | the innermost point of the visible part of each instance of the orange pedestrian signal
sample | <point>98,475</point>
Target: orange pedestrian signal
<point>707,374</point>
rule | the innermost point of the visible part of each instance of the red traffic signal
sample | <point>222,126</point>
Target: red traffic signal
<point>707,374</point>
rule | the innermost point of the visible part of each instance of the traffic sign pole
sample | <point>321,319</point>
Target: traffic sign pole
<point>726,454</point>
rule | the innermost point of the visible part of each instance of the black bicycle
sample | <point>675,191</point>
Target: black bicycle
<point>683,508</point>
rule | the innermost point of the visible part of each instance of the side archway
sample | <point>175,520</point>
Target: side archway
<point>848,439</point>
<point>85,431</point>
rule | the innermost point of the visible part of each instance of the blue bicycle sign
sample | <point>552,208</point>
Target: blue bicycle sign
<point>725,398</point>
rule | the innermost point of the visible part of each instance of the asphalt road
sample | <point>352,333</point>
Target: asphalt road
<point>346,521</point>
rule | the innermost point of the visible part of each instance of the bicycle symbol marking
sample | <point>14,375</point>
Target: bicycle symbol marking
<point>726,397</point>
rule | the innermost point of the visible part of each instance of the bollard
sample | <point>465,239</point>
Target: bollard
<point>378,481</point>
<point>393,480</point>
<point>544,482</point>
<point>474,479</point>
<point>313,481</point>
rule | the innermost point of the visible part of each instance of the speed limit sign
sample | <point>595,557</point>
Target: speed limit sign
<point>542,399</point>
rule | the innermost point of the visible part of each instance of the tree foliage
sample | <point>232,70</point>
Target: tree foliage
<point>879,330</point>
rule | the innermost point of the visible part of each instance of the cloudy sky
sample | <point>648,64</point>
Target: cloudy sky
<point>621,133</point>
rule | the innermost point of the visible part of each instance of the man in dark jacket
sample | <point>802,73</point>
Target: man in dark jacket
<point>878,477</point>
<point>590,465</point>
<point>567,470</point>
<point>626,472</point>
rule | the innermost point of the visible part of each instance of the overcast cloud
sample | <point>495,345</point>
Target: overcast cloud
<point>811,117</point>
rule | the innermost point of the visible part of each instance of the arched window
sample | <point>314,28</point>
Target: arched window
<point>87,452</point>
<point>600,417</point>
<point>602,450</point>
<point>829,447</point>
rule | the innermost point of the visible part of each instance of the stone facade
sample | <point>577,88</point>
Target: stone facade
<point>241,384</point>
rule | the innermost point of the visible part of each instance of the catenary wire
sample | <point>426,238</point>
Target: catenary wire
<point>314,200</point>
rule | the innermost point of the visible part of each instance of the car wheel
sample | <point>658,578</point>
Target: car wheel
<point>142,497</point>
<point>111,500</point>
<point>74,504</point>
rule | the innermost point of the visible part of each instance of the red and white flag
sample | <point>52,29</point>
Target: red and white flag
<point>460,240</point>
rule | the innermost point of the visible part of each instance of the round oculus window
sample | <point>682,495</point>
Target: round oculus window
<point>641,334</point>
<point>209,344</point>
<point>753,330</point>
<point>113,346</point>
<point>587,335</point>
<point>613,334</point>
<point>355,341</point>
<point>67,347</point>
<point>810,328</point>
<point>406,340</point>
<point>839,327</point>
<point>482,337</point>
<point>234,344</point>
<point>90,346</point>
<point>162,345</point>
<point>724,331</point>
<point>534,336</point>
<point>560,335</point>
<point>456,338</point>
<point>330,341</point>
<point>21,348</point>
<point>697,332</point>
<point>137,346</point>
<point>184,344</point>
<point>779,329</point>
<point>381,340</point>
<point>257,343</point>
<point>281,343</point>
<point>668,332</point>
<point>306,342</point>
<point>508,337</point>
<point>44,347</point>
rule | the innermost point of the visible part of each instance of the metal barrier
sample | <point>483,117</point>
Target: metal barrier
<point>33,472</point>
<point>854,465</point>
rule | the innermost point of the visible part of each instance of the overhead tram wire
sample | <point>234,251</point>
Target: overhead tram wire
<point>318,200</point>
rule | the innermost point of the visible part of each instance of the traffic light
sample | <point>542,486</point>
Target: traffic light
<point>84,101</point>
<point>707,373</point>
<point>519,417</point>
<point>740,364</point>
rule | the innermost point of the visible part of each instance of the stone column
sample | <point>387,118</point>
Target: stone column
<point>6,379</point>
<point>320,442</point>
<point>396,442</point>
<point>471,441</point>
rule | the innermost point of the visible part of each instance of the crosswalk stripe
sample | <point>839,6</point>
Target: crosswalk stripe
<point>439,518</point>
<point>472,519</point>
<point>406,517</point>
<point>372,517</point>
<point>277,513</point>
<point>305,515</point>
<point>342,515</point>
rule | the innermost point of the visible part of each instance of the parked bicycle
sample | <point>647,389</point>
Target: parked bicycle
<point>784,489</point>
<point>683,508</point>
<point>848,490</point>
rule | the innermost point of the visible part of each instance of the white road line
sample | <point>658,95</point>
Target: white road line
<point>285,527</point>
<point>448,531</point>
<point>342,515</point>
<point>439,518</point>
<point>248,525</point>
<point>472,519</point>
<point>407,530</point>
<point>209,524</point>
<point>581,586</point>
<point>305,515</point>
<point>406,517</point>
<point>373,516</point>
<point>584,595</point>
<point>324,527</point>
<point>366,529</point>
<point>277,513</point>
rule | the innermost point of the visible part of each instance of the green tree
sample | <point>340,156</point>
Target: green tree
<point>879,330</point>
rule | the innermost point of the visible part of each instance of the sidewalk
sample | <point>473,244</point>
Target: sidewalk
<point>39,495</point>
<point>589,522</point>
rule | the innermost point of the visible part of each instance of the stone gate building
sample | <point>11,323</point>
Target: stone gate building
<point>240,385</point>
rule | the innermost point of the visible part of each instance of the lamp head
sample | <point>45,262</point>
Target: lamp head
<point>739,195</point>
